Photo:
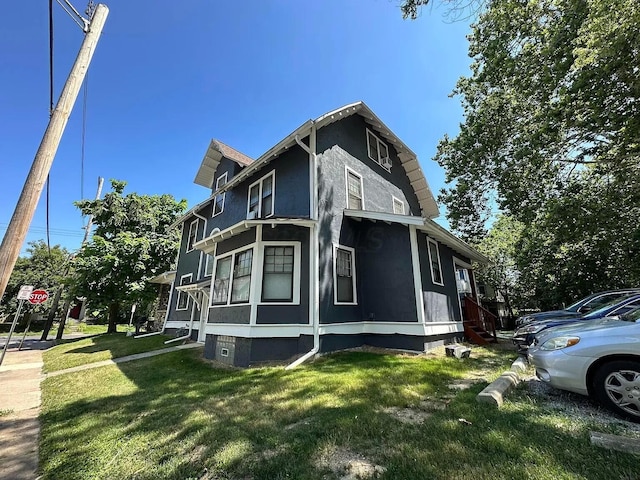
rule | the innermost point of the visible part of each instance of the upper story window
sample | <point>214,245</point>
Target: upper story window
<point>434,260</point>
<point>398,206</point>
<point>344,275</point>
<point>261,195</point>
<point>218,203</point>
<point>183,297</point>
<point>193,235</point>
<point>208,266</point>
<point>355,198</point>
<point>378,150</point>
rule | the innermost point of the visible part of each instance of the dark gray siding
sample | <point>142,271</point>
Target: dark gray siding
<point>272,314</point>
<point>291,190</point>
<point>417,343</point>
<point>441,302</point>
<point>232,168</point>
<point>236,242</point>
<point>344,143</point>
<point>385,272</point>
<point>238,314</point>
<point>248,351</point>
<point>188,262</point>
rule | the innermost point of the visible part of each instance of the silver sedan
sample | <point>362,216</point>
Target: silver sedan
<point>599,358</point>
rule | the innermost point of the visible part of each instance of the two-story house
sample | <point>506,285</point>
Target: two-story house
<point>323,243</point>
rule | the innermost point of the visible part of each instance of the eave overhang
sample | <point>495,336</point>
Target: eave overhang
<point>428,226</point>
<point>440,234</point>
<point>165,278</point>
<point>207,245</point>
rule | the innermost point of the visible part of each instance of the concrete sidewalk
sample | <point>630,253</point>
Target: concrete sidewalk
<point>20,377</point>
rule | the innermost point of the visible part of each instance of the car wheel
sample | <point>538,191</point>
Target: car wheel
<point>617,387</point>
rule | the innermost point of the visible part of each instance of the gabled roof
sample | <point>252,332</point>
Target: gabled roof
<point>211,160</point>
<point>428,205</point>
<point>409,159</point>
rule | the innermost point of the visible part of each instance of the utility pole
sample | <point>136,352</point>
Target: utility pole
<point>19,225</point>
<point>67,303</point>
<point>56,299</point>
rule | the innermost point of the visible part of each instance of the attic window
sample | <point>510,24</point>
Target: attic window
<point>398,206</point>
<point>378,151</point>
<point>218,204</point>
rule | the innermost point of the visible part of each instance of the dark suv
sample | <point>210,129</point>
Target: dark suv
<point>581,307</point>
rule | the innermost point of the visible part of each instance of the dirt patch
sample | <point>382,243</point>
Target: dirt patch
<point>407,415</point>
<point>349,465</point>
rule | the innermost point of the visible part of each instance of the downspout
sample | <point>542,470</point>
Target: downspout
<point>204,234</point>
<point>315,301</point>
<point>188,335</point>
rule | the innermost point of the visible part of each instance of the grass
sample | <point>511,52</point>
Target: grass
<point>72,353</point>
<point>70,327</point>
<point>175,416</point>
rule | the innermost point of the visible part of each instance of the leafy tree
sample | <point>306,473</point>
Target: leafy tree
<point>40,268</point>
<point>551,138</point>
<point>131,243</point>
<point>553,91</point>
<point>500,247</point>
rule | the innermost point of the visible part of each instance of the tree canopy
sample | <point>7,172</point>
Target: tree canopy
<point>551,138</point>
<point>131,244</point>
<point>41,268</point>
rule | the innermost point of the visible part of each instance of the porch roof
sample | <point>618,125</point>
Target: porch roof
<point>164,278</point>
<point>207,244</point>
<point>428,226</point>
<point>195,286</point>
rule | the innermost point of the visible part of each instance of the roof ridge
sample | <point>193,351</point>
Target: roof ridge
<point>232,153</point>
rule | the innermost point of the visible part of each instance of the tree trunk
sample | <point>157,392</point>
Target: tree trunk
<point>52,313</point>
<point>114,311</point>
<point>510,323</point>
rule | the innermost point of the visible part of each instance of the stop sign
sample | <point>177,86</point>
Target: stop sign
<point>38,296</point>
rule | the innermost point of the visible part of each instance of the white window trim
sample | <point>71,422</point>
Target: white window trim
<point>348,170</point>
<point>224,195</point>
<point>431,240</point>
<point>395,199</point>
<point>273,195</point>
<point>337,246</point>
<point>195,239</point>
<point>377,160</point>
<point>296,271</point>
<point>233,253</point>
<point>190,275</point>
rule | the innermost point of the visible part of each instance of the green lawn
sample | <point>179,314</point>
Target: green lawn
<point>176,416</point>
<point>76,352</point>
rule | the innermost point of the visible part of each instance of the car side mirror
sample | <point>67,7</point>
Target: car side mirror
<point>584,309</point>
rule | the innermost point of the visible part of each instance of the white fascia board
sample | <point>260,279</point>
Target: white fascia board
<point>385,217</point>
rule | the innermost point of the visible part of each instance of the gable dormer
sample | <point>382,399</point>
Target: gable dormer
<point>208,175</point>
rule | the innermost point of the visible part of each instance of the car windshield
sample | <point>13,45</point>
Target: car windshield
<point>575,306</point>
<point>602,311</point>
<point>631,316</point>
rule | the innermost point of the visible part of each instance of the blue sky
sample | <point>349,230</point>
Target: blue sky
<point>169,76</point>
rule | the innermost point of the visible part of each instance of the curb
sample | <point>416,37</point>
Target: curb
<point>494,393</point>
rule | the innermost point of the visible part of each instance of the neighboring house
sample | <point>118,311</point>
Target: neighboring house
<point>323,243</point>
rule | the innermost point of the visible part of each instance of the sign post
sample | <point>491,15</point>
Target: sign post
<point>23,294</point>
<point>37,297</point>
